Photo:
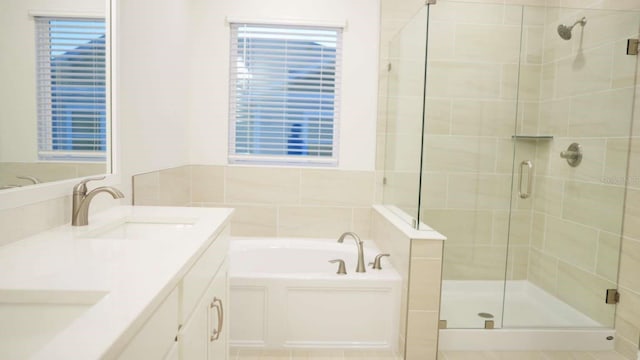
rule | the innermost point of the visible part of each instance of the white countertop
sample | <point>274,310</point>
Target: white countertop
<point>132,276</point>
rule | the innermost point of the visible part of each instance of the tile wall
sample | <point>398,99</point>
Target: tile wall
<point>269,201</point>
<point>419,262</point>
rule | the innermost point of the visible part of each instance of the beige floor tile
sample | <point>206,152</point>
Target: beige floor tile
<point>369,355</point>
<point>249,354</point>
<point>607,355</point>
<point>568,355</point>
<point>317,355</point>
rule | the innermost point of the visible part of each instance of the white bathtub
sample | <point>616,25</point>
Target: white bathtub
<point>285,294</point>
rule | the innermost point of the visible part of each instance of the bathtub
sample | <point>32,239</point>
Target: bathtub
<point>285,294</point>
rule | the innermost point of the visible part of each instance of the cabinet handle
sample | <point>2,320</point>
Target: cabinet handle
<point>217,304</point>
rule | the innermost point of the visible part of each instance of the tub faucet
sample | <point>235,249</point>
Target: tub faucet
<point>82,200</point>
<point>360,268</point>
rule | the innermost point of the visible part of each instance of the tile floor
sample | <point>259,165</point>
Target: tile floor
<point>243,354</point>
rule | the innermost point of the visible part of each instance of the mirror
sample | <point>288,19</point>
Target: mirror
<point>54,93</point>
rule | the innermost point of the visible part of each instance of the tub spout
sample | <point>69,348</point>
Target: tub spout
<point>360,268</point>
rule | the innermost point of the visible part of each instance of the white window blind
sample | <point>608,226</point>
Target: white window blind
<point>71,88</point>
<point>285,85</point>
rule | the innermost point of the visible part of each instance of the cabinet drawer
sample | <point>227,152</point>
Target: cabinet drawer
<point>157,335</point>
<point>200,275</point>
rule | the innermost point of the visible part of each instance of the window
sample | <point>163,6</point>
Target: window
<point>285,84</point>
<point>71,89</point>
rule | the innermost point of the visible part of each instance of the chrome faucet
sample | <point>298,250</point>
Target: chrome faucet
<point>360,268</point>
<point>82,200</point>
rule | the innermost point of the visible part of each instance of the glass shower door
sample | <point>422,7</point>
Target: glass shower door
<point>576,93</point>
<point>473,57</point>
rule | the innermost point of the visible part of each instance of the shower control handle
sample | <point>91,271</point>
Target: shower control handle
<point>342,270</point>
<point>573,154</point>
<point>529,165</point>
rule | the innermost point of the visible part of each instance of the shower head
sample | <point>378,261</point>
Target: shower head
<point>565,31</point>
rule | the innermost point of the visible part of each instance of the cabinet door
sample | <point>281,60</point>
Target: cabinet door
<point>193,335</point>
<point>174,353</point>
<point>218,307</point>
<point>157,335</point>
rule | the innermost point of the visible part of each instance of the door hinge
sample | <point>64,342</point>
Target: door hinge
<point>389,67</point>
<point>442,324</point>
<point>632,46</point>
<point>613,296</point>
<point>384,180</point>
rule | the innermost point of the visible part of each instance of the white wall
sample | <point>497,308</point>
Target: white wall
<point>210,67</point>
<point>18,115</point>
<point>152,85</point>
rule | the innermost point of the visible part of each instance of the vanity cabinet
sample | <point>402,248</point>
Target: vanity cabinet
<point>204,336</point>
<point>191,322</point>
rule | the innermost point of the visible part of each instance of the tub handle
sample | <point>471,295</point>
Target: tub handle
<point>342,270</point>
<point>376,264</point>
<point>217,304</point>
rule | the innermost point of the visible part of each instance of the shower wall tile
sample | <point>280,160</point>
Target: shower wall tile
<point>483,117</point>
<point>463,227</point>
<point>479,191</point>
<point>438,116</point>
<point>538,226</point>
<point>608,255</point>
<point>591,115</point>
<point>433,193</point>
<point>521,81</point>
<point>464,80</point>
<point>623,66</point>
<point>488,43</point>
<point>459,154</point>
<point>572,243</point>
<point>585,291</point>
<point>514,226</point>
<point>630,263</point>
<point>594,204</point>
<point>554,117</point>
<point>518,262</point>
<point>402,108</point>
<point>474,262</point>
<point>615,169</point>
<point>443,46</point>
<point>543,270</point>
<point>548,196</point>
<point>585,73</point>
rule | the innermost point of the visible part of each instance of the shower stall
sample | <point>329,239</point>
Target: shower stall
<point>508,131</point>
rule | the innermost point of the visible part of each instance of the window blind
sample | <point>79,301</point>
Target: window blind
<point>71,88</point>
<point>284,96</point>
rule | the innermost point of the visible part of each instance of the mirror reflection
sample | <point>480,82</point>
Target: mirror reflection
<point>53,95</point>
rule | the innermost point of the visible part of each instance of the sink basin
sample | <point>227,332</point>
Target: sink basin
<point>142,228</point>
<point>30,319</point>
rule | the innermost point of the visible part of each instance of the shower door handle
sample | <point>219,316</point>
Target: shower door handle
<point>529,165</point>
